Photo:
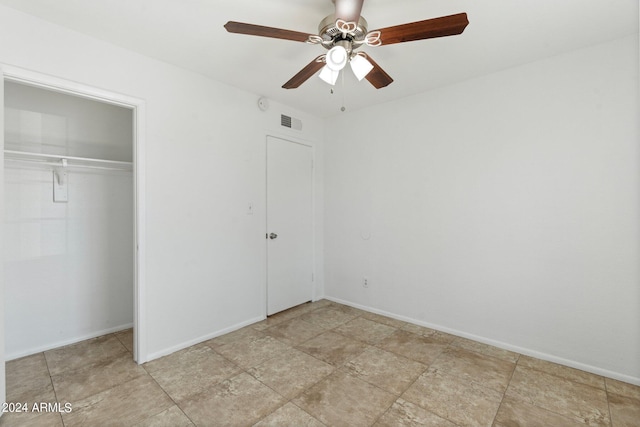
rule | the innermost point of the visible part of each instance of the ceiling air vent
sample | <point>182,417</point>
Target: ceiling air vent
<point>290,122</point>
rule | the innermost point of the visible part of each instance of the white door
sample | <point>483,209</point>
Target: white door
<point>289,224</point>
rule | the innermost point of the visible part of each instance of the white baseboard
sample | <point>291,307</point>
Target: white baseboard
<point>202,338</point>
<point>505,346</point>
<point>74,340</point>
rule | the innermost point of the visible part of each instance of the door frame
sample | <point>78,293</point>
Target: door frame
<point>310,144</point>
<point>138,107</point>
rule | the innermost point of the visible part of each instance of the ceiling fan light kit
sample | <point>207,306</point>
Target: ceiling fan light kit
<point>345,31</point>
<point>328,75</point>
<point>337,57</point>
<point>360,66</point>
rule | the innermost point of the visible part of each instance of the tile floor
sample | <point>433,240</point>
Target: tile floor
<point>318,364</point>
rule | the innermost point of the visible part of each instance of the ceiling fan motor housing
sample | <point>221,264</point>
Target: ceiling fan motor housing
<point>331,35</point>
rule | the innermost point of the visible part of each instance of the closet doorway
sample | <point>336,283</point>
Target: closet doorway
<point>72,229</point>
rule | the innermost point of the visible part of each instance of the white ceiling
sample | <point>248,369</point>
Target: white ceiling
<point>189,33</point>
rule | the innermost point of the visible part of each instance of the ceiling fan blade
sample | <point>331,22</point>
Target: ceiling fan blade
<point>259,30</point>
<point>304,74</point>
<point>348,10</point>
<point>377,76</point>
<point>427,29</point>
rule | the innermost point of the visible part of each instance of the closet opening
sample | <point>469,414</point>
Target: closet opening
<point>70,219</point>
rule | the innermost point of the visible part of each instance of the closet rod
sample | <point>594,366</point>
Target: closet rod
<point>60,157</point>
<point>71,165</point>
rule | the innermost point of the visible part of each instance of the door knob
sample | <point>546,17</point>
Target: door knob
<point>273,236</point>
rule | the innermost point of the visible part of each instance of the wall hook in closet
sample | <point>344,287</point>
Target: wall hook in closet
<point>60,187</point>
<point>61,172</point>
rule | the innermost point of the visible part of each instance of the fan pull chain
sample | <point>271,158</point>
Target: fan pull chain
<point>342,108</point>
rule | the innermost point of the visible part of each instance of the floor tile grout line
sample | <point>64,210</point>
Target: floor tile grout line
<point>301,342</point>
<point>310,310</point>
<point>547,409</point>
<point>85,342</point>
<point>302,409</point>
<point>122,342</point>
<point>211,386</point>
<point>456,347</point>
<point>53,387</point>
<point>84,368</point>
<point>411,385</point>
<point>343,367</point>
<point>246,371</point>
<point>92,366</point>
<point>399,396</point>
<point>385,411</point>
<point>441,354</point>
<point>168,395</point>
<point>289,400</point>
<point>565,378</point>
<point>336,368</point>
<point>504,393</point>
<point>606,391</point>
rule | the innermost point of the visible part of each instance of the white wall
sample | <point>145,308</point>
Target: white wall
<point>68,266</point>
<point>3,391</point>
<point>204,162</point>
<point>51,122</point>
<point>504,208</point>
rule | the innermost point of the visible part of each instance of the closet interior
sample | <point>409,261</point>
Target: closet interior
<point>68,220</point>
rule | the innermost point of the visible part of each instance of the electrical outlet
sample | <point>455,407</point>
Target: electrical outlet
<point>365,282</point>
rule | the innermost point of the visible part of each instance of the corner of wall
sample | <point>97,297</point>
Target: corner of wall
<point>2,358</point>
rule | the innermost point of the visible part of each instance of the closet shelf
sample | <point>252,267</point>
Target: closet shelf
<point>66,161</point>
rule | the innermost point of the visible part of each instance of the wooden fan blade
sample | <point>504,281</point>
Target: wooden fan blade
<point>348,10</point>
<point>427,29</point>
<point>377,76</point>
<point>259,30</point>
<point>304,74</point>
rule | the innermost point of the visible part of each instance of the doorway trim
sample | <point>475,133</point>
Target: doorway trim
<point>138,107</point>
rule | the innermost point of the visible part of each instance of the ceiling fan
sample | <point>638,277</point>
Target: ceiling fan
<point>343,32</point>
